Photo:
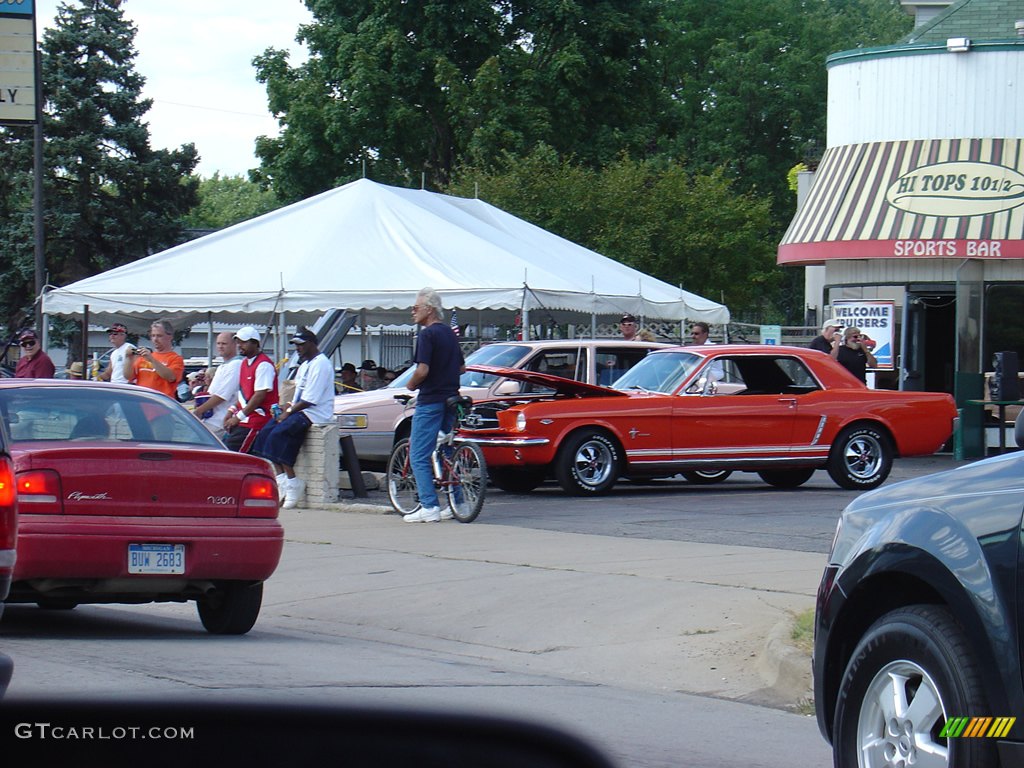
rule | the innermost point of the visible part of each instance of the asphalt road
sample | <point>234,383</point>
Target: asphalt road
<point>742,510</point>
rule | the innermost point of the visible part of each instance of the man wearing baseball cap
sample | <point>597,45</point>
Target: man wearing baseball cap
<point>114,372</point>
<point>628,325</point>
<point>827,339</point>
<point>257,392</point>
<point>313,403</point>
<point>33,363</point>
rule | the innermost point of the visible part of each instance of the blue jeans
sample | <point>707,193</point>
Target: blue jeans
<point>427,421</point>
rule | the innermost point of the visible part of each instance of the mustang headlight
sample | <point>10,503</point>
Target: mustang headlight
<point>520,421</point>
<point>352,420</point>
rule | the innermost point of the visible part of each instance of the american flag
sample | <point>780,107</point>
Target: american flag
<point>455,323</point>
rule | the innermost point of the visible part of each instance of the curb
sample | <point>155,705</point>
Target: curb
<point>785,669</point>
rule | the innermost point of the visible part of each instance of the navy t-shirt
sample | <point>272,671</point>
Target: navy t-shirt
<point>438,347</point>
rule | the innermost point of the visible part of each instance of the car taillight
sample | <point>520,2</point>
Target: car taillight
<point>8,510</point>
<point>39,491</point>
<point>259,496</point>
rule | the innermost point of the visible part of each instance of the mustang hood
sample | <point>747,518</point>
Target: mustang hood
<point>561,385</point>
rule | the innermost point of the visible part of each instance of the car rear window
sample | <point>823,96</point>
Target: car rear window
<point>98,414</point>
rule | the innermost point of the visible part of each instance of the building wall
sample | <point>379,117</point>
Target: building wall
<point>935,95</point>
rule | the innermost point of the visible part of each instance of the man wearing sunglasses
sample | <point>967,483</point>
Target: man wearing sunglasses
<point>33,363</point>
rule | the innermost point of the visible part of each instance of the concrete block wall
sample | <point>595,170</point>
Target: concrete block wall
<point>317,464</point>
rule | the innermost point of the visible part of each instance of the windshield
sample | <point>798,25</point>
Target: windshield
<point>114,415</point>
<point>497,355</point>
<point>659,372</point>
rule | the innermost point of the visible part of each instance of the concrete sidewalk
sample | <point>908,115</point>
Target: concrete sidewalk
<point>641,614</point>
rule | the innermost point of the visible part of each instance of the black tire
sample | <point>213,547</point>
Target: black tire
<point>232,608</point>
<point>516,480</point>
<point>400,481</point>
<point>861,458</point>
<point>466,496</point>
<point>909,655</point>
<point>707,476</point>
<point>787,478</point>
<point>57,604</point>
<point>588,464</point>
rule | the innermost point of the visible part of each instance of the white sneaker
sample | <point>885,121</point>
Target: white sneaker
<point>293,491</point>
<point>423,515</point>
<point>282,484</point>
<point>446,512</point>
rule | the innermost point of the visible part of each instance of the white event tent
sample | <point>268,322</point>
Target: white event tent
<point>367,247</point>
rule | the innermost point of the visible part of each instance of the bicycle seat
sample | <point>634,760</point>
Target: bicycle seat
<point>464,400</point>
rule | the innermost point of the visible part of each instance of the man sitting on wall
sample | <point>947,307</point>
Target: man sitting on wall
<point>257,392</point>
<point>313,403</point>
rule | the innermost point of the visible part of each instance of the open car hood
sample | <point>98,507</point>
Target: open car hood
<point>561,385</point>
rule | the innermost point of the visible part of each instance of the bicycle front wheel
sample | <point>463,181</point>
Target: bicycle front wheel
<point>401,481</point>
<point>467,485</point>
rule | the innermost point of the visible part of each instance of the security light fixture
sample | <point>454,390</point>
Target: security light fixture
<point>958,44</point>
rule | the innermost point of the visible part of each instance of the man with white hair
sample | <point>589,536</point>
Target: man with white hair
<point>439,363</point>
<point>828,340</point>
<point>224,388</point>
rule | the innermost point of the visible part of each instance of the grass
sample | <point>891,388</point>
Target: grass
<point>803,630</point>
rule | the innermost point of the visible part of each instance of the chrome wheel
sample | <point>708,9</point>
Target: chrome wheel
<point>861,458</point>
<point>588,463</point>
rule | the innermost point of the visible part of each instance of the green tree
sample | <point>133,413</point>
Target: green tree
<point>750,82</point>
<point>109,198</point>
<point>227,200</point>
<point>412,88</point>
<point>689,229</point>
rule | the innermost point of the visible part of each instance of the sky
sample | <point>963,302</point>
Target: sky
<point>196,57</point>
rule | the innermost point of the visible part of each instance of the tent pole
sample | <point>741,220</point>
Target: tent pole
<point>209,339</point>
<point>280,349</point>
<point>85,336</point>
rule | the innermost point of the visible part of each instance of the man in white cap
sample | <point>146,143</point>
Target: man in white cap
<point>119,347</point>
<point>257,392</point>
<point>827,339</point>
<point>223,390</point>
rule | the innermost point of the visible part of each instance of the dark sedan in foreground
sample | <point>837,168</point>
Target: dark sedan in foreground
<point>124,497</point>
<point>917,652</point>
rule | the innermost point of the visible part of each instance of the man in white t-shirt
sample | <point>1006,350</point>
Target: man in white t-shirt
<point>313,403</point>
<point>224,388</point>
<point>114,372</point>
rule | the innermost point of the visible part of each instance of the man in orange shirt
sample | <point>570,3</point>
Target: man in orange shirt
<point>160,369</point>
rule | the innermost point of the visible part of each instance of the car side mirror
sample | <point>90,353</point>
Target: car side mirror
<point>509,387</point>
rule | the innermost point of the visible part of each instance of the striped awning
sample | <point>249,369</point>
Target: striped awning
<point>949,198</point>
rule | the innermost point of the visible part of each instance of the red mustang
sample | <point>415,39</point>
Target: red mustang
<point>124,497</point>
<point>782,412</point>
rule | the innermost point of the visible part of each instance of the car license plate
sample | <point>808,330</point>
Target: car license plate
<point>156,558</point>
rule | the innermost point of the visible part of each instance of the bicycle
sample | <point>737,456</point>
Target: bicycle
<point>460,472</point>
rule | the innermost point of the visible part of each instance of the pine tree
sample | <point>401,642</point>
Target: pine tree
<point>109,198</point>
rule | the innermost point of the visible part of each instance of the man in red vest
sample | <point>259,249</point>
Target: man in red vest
<point>257,392</point>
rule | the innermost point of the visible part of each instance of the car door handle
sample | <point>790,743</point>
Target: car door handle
<point>790,401</point>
